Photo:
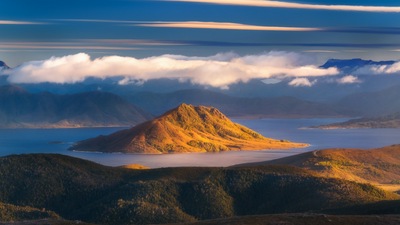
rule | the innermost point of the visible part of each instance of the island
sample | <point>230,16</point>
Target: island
<point>388,121</point>
<point>186,128</point>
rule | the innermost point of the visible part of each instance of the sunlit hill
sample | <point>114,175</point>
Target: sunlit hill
<point>185,129</point>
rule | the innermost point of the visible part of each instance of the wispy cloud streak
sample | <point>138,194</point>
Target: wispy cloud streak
<point>224,26</point>
<point>196,25</point>
<point>294,5</point>
<point>239,26</point>
<point>133,44</point>
<point>96,21</point>
<point>13,22</point>
<point>58,46</point>
<point>141,42</point>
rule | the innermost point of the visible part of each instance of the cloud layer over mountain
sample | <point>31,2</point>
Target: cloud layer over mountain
<point>379,69</point>
<point>220,70</point>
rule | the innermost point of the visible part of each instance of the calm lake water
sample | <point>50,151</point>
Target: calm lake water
<point>22,141</point>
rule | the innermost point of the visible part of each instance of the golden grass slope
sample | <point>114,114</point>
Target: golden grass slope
<point>380,166</point>
<point>135,167</point>
<point>185,129</point>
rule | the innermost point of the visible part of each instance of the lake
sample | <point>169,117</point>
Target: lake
<point>22,141</point>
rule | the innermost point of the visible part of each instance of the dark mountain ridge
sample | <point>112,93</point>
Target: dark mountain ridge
<point>3,66</point>
<point>19,108</point>
<point>158,103</point>
<point>351,65</point>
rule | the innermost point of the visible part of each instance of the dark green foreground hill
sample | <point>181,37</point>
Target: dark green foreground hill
<point>77,189</point>
<point>10,213</point>
<point>380,166</point>
<point>303,219</point>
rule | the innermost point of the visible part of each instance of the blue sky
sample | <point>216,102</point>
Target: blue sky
<point>35,30</point>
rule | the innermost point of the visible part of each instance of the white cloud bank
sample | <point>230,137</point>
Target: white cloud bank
<point>220,70</point>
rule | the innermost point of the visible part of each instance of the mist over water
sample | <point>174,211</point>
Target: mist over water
<point>24,141</point>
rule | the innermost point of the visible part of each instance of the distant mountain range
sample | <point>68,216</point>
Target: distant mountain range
<point>255,107</point>
<point>365,104</point>
<point>21,109</point>
<point>184,129</point>
<point>371,104</point>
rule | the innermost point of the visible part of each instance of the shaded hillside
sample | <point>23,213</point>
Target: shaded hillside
<point>371,104</point>
<point>389,121</point>
<point>184,129</point>
<point>46,222</point>
<point>302,219</point>
<point>47,181</point>
<point>81,190</point>
<point>18,108</point>
<point>374,208</point>
<point>377,166</point>
<point>9,213</point>
<point>280,107</point>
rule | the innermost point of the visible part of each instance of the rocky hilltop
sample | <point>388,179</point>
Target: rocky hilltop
<point>184,129</point>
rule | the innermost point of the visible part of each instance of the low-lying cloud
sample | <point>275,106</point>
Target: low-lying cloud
<point>349,79</point>
<point>302,82</point>
<point>379,69</point>
<point>220,70</point>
